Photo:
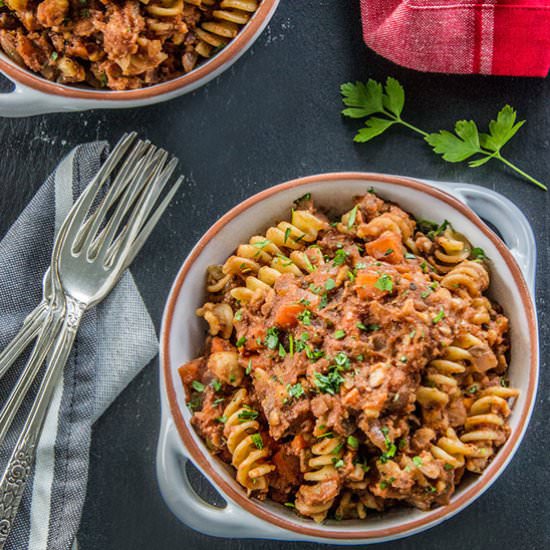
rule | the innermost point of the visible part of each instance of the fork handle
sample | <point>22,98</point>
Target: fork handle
<point>28,331</point>
<point>14,478</point>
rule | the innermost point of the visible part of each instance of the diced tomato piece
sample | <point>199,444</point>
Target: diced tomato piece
<point>364,285</point>
<point>298,443</point>
<point>387,247</point>
<point>255,337</point>
<point>287,315</point>
<point>220,344</point>
<point>190,371</point>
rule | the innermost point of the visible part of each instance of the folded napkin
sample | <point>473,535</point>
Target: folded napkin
<point>116,339</point>
<point>500,37</point>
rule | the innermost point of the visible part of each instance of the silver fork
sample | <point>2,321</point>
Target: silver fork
<point>87,262</point>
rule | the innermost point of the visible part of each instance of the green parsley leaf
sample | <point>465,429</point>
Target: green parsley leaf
<point>438,317</point>
<point>305,317</point>
<point>216,384</point>
<point>282,352</point>
<point>374,126</point>
<point>222,419</point>
<point>262,244</point>
<point>241,341</point>
<point>238,315</point>
<point>388,252</point>
<point>362,99</point>
<point>448,466</point>
<point>410,256</point>
<point>330,435</point>
<point>353,442</point>
<point>290,505</point>
<point>296,391</point>
<point>329,383</point>
<point>339,334</point>
<point>287,234</point>
<point>257,440</point>
<point>249,367</point>
<point>340,257</point>
<point>330,284</point>
<point>459,147</point>
<point>501,130</point>
<point>338,463</point>
<point>272,338</point>
<point>352,217</point>
<point>478,253</point>
<point>247,414</point>
<point>384,282</point>
<point>197,386</point>
<point>417,461</point>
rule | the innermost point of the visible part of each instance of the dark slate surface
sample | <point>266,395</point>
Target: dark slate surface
<point>272,117</point>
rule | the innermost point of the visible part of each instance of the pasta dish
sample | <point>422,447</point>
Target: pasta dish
<point>120,45</point>
<point>352,364</point>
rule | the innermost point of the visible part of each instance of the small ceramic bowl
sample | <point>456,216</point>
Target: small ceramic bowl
<point>34,95</point>
<point>182,338</point>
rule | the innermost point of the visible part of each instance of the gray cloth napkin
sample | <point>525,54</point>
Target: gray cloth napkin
<point>115,340</point>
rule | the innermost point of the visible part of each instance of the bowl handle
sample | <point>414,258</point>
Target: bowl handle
<point>499,212</point>
<point>229,522</point>
<point>23,101</point>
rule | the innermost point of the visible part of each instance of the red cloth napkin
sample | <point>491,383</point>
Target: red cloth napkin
<point>500,37</point>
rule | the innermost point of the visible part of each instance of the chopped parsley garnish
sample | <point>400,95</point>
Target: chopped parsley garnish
<point>391,448</point>
<point>291,345</point>
<point>290,505</point>
<point>304,302</point>
<point>338,463</point>
<point>197,386</point>
<point>326,434</point>
<point>303,198</point>
<point>384,283</point>
<point>337,449</point>
<point>216,384</point>
<point>417,461</point>
<point>504,382</point>
<point>241,341</point>
<point>438,317</point>
<point>330,382</point>
<point>315,289</point>
<point>248,414</point>
<point>339,257</point>
<point>324,301</point>
<point>257,440</point>
<point>472,389</point>
<point>262,244</point>
<point>410,256</point>
<point>425,293</point>
<point>194,403</point>
<point>295,391</point>
<point>388,252</point>
<point>353,442</point>
<point>305,317</point>
<point>219,400</point>
<point>282,352</point>
<point>361,326</point>
<point>330,284</point>
<point>352,217</point>
<point>287,234</point>
<point>424,266</point>
<point>342,360</point>
<point>339,334</point>
<point>448,466</point>
<point>272,338</point>
<point>402,443</point>
<point>386,484</point>
<point>222,419</point>
<point>248,367</point>
<point>239,315</point>
<point>360,265</point>
<point>478,253</point>
<point>430,489</point>
<point>351,276</point>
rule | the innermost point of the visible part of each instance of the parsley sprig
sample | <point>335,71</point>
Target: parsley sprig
<point>363,100</point>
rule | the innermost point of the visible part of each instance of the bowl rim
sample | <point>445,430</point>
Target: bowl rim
<point>234,49</point>
<point>255,508</point>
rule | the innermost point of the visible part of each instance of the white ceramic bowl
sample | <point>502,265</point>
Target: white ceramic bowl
<point>34,95</point>
<point>182,339</point>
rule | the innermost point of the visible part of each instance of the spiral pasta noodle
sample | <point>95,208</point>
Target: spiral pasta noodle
<point>451,248</point>
<point>469,276</point>
<point>486,426</point>
<point>248,458</point>
<point>321,469</point>
<point>227,17</point>
<point>392,221</point>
